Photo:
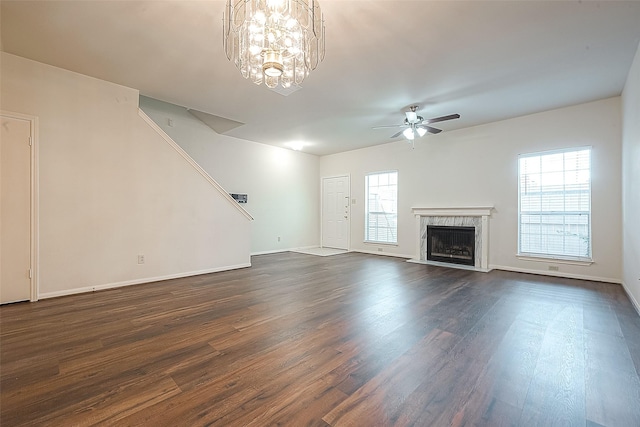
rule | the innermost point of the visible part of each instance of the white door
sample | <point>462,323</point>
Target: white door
<point>15,210</point>
<point>335,212</point>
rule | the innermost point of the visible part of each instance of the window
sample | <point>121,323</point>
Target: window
<point>554,206</point>
<point>381,222</point>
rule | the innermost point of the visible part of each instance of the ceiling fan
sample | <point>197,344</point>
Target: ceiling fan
<point>417,125</point>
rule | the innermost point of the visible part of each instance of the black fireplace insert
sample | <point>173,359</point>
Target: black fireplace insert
<point>451,244</point>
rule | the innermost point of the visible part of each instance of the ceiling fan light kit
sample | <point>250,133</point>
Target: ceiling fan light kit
<point>417,125</point>
<point>274,41</point>
<point>412,116</point>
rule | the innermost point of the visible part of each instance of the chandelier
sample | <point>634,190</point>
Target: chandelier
<point>275,41</point>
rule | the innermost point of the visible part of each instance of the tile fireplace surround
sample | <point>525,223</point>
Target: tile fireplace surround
<point>477,216</point>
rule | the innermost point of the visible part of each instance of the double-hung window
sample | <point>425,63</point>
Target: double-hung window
<point>381,222</point>
<point>554,209</point>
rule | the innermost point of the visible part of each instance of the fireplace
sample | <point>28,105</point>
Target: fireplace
<point>471,218</point>
<point>451,244</point>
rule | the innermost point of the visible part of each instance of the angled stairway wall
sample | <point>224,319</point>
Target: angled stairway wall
<point>282,185</point>
<point>112,188</point>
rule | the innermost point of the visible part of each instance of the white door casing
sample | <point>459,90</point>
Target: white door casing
<point>17,208</point>
<point>335,212</point>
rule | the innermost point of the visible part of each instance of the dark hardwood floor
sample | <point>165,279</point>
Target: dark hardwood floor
<point>346,340</point>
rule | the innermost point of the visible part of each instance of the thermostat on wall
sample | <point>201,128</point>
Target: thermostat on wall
<point>240,198</point>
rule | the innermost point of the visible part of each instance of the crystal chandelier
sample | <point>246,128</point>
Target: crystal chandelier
<point>275,41</point>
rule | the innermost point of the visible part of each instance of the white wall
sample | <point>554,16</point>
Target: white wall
<point>478,167</point>
<point>111,188</point>
<point>282,185</point>
<point>631,182</point>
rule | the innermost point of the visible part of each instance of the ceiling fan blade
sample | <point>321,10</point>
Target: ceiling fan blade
<point>430,129</point>
<point>441,119</point>
<point>395,135</point>
<point>389,126</point>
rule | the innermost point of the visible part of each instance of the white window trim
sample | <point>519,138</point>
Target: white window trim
<point>555,260</point>
<point>560,259</point>
<point>366,213</point>
<point>373,242</point>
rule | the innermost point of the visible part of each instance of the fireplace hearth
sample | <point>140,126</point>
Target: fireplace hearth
<point>451,244</point>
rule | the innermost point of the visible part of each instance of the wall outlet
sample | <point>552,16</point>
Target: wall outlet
<point>140,259</point>
<point>554,268</point>
<point>278,238</point>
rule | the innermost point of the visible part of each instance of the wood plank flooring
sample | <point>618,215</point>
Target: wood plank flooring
<point>346,340</point>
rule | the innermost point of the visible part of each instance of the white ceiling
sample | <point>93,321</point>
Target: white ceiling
<point>487,61</point>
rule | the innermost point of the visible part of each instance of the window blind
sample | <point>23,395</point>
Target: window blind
<point>381,222</point>
<point>555,204</point>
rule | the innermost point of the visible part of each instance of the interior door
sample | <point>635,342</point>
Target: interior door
<point>335,212</point>
<point>15,210</point>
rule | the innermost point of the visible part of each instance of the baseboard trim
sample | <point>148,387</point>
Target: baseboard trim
<point>362,251</point>
<point>278,251</point>
<point>556,274</point>
<point>87,289</point>
<point>634,302</point>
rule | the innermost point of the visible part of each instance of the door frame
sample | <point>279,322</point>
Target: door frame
<point>322,179</point>
<point>34,199</point>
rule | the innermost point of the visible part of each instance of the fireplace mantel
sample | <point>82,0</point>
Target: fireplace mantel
<point>478,214</point>
<point>465,211</point>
